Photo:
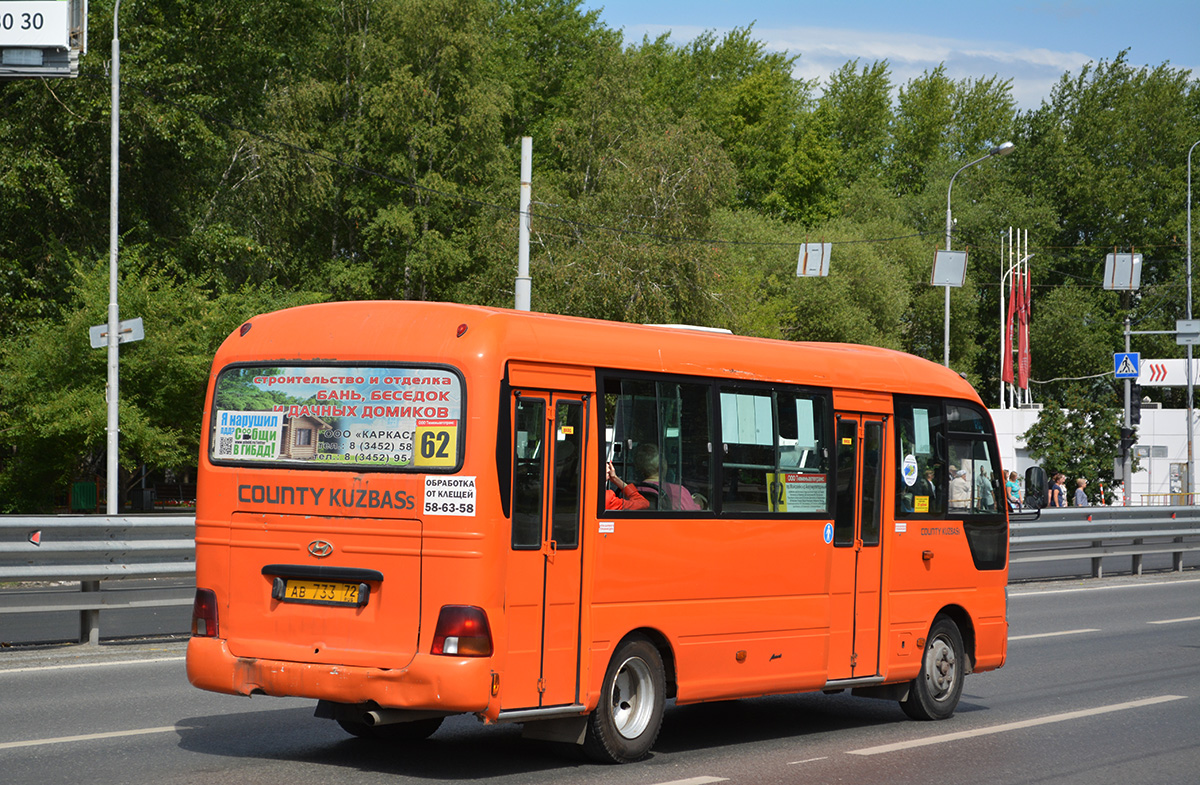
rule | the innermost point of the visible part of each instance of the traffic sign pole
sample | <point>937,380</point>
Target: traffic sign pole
<point>1126,459</point>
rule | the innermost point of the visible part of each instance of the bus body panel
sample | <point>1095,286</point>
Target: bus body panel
<point>768,596</point>
<point>454,685</point>
<point>381,633</point>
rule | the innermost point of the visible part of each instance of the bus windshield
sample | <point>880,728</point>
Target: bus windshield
<point>405,418</point>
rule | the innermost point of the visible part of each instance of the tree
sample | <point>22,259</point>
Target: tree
<point>53,413</point>
<point>858,107</point>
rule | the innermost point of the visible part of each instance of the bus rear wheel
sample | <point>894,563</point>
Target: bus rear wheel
<point>934,694</point>
<point>625,724</point>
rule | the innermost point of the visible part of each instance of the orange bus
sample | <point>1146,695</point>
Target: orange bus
<point>402,514</point>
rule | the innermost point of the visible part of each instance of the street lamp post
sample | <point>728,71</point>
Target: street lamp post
<point>1190,475</point>
<point>114,319</point>
<point>1003,149</point>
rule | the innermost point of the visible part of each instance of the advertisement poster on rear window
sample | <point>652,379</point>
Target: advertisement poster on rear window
<point>398,418</point>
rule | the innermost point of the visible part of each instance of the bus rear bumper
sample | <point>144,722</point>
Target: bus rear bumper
<point>435,683</point>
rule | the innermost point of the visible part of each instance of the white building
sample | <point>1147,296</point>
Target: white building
<point>1161,449</point>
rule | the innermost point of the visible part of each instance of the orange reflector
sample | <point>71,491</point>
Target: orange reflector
<point>495,684</point>
<point>740,656</point>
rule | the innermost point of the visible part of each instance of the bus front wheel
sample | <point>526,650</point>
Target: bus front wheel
<point>934,694</point>
<point>625,724</point>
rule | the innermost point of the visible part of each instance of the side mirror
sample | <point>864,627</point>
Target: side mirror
<point>1035,487</point>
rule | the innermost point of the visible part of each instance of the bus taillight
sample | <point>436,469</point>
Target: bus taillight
<point>462,631</point>
<point>204,614</point>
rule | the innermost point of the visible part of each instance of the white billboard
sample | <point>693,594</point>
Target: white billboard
<point>35,23</point>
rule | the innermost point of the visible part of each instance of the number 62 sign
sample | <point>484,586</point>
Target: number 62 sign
<point>436,443</point>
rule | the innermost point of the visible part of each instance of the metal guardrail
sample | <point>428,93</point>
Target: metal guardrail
<point>91,549</point>
<point>1096,532</point>
<point>95,548</point>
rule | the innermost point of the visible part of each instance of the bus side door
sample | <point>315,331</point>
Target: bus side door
<point>542,593</point>
<point>857,563</point>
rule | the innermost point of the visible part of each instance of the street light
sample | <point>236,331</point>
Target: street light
<point>1003,149</point>
<point>114,319</point>
<point>1190,475</point>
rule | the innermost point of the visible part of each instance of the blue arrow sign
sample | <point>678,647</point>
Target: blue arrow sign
<point>1125,365</point>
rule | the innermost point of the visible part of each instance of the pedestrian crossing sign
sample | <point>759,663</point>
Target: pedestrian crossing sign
<point>1125,364</point>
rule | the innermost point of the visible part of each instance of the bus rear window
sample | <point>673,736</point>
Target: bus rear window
<point>338,417</point>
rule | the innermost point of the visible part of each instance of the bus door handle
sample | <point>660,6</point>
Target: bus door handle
<point>552,548</point>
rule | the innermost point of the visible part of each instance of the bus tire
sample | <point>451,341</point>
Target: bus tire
<point>934,694</point>
<point>418,730</point>
<point>626,722</point>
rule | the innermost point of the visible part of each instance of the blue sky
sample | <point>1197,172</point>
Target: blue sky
<point>1032,42</point>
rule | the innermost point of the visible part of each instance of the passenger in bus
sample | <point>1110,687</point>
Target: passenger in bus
<point>660,494</point>
<point>926,485</point>
<point>632,499</point>
<point>983,489</point>
<point>960,491</point>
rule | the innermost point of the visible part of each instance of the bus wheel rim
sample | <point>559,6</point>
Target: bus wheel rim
<point>941,669</point>
<point>632,698</point>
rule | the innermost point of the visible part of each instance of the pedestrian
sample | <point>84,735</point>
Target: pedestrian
<point>1081,499</point>
<point>1013,486</point>
<point>1057,493</point>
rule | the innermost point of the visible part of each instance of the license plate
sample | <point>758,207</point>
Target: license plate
<point>321,592</point>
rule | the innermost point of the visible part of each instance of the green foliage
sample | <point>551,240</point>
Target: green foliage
<point>53,409</point>
<point>858,110</point>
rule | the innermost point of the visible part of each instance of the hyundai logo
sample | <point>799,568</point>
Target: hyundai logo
<point>320,548</point>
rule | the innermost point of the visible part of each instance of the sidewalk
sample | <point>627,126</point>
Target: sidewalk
<point>17,657</point>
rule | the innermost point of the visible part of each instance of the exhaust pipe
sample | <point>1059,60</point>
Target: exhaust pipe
<point>394,716</point>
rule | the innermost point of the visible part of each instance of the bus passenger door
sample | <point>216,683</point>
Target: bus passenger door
<point>858,565</point>
<point>542,592</point>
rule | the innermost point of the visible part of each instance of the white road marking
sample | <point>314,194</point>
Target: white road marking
<point>8,745</point>
<point>1175,621</point>
<point>1051,634</point>
<point>695,781</point>
<point>1101,588</point>
<point>968,734</point>
<point>810,760</point>
<point>36,668</point>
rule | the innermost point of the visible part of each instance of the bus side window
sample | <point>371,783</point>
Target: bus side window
<point>661,441</point>
<point>922,472</point>
<point>529,454</point>
<point>774,451</point>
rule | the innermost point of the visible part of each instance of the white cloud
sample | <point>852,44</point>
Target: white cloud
<point>1033,71</point>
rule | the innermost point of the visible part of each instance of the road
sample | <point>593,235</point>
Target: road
<point>1102,686</point>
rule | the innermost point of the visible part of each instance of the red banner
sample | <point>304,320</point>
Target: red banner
<point>1026,292</point>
